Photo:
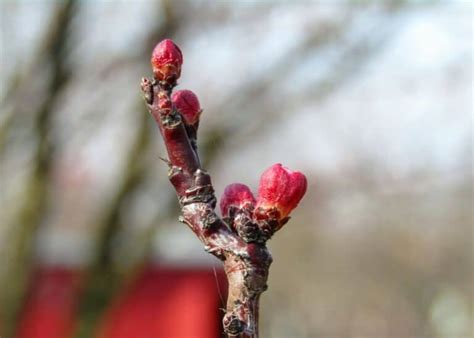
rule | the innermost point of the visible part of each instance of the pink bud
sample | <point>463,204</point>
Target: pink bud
<point>236,195</point>
<point>280,190</point>
<point>166,60</point>
<point>187,103</point>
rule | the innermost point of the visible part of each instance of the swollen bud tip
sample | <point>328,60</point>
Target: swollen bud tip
<point>166,61</point>
<point>187,103</point>
<point>280,191</point>
<point>236,196</point>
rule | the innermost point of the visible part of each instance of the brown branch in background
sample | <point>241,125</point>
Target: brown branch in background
<point>103,279</point>
<point>240,243</point>
<point>315,40</point>
<point>31,212</point>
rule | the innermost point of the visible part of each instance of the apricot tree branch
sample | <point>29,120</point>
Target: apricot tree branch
<point>239,241</point>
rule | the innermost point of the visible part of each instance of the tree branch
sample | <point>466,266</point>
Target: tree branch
<point>239,241</point>
<point>246,264</point>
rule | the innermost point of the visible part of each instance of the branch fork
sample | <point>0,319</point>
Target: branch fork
<point>240,240</point>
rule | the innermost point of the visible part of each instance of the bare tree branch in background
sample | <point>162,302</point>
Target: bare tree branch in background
<point>16,272</point>
<point>103,279</point>
<point>353,54</point>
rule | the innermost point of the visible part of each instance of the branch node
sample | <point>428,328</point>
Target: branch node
<point>201,191</point>
<point>170,118</point>
<point>246,229</point>
<point>209,219</point>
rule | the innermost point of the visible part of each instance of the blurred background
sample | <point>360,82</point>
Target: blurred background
<point>372,100</point>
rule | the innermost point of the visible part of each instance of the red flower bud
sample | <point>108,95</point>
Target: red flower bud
<point>166,61</point>
<point>187,103</point>
<point>280,190</point>
<point>236,195</point>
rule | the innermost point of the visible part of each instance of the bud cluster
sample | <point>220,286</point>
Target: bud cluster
<point>252,220</point>
<point>166,61</point>
<point>279,192</point>
<point>280,189</point>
